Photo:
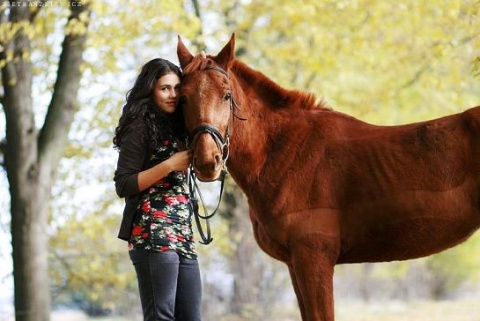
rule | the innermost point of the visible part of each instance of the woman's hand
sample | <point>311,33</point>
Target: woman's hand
<point>180,161</point>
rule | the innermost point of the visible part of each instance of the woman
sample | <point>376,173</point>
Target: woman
<point>151,175</point>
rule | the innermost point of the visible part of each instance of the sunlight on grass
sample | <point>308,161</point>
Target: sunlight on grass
<point>408,311</point>
<point>350,311</point>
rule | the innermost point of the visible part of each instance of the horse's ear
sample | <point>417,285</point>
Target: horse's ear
<point>226,55</point>
<point>184,55</point>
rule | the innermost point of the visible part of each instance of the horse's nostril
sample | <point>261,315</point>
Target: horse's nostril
<point>218,162</point>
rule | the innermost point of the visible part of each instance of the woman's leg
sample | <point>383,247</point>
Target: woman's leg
<point>189,291</point>
<point>157,274</point>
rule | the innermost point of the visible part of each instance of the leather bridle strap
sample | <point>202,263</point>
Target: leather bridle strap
<point>194,208</point>
<point>217,137</point>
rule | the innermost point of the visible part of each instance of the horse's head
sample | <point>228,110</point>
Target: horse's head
<point>207,102</point>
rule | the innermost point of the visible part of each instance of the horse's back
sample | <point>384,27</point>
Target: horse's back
<point>328,158</point>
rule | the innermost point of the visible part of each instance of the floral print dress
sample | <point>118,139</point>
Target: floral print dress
<point>162,220</point>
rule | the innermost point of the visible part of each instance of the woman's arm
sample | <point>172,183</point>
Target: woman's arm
<point>177,162</point>
<point>130,177</point>
<point>131,158</point>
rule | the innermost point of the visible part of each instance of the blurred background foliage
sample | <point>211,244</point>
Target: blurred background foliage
<point>385,62</point>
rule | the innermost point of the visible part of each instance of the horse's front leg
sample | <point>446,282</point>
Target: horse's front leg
<point>298,293</point>
<point>311,269</point>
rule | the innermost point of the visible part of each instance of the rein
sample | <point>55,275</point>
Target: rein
<point>194,191</point>
<point>223,144</point>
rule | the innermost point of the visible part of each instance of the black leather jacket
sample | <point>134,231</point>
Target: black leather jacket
<point>132,159</point>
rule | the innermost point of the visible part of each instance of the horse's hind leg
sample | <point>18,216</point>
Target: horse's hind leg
<point>312,278</point>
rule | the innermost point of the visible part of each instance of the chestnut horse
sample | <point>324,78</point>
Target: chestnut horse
<point>325,188</point>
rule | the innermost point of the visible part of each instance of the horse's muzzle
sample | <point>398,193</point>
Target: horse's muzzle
<point>208,172</point>
<point>207,159</point>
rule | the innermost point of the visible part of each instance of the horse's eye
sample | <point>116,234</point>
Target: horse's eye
<point>228,96</point>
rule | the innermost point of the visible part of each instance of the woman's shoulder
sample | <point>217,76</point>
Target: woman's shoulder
<point>138,120</point>
<point>136,129</point>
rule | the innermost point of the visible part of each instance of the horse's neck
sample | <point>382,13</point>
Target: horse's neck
<point>250,146</point>
<point>251,138</point>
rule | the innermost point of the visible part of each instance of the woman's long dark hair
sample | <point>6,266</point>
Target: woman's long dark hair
<point>140,103</point>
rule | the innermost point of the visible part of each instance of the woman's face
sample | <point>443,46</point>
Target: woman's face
<point>165,92</point>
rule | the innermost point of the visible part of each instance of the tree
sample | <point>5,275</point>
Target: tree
<point>31,154</point>
<point>98,282</point>
<point>34,63</point>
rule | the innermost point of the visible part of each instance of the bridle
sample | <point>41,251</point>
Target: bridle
<point>223,144</point>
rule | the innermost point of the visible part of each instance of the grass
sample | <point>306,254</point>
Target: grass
<point>358,311</point>
<point>409,311</point>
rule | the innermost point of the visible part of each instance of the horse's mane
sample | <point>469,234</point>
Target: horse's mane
<point>273,93</point>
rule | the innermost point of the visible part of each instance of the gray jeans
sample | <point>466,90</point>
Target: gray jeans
<point>169,284</point>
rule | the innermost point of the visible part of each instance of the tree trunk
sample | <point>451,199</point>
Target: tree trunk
<point>32,156</point>
<point>245,263</point>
